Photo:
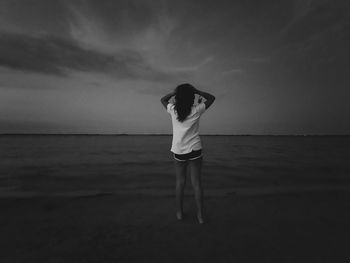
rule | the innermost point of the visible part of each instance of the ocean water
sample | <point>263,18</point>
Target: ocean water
<point>78,164</point>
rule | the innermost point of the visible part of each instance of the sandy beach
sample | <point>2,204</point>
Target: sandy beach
<point>291,227</point>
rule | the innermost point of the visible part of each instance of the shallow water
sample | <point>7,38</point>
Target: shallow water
<point>76,163</point>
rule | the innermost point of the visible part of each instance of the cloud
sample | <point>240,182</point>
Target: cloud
<point>192,68</point>
<point>34,16</point>
<point>53,55</point>
<point>233,71</point>
<point>47,54</point>
<point>313,18</point>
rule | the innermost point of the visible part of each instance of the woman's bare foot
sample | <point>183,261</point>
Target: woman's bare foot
<point>179,215</point>
<point>200,219</point>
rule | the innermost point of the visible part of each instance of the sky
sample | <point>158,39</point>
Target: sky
<point>275,67</point>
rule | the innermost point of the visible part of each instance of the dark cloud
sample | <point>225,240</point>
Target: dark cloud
<point>314,45</point>
<point>54,55</point>
<point>47,54</point>
<point>33,16</point>
<point>122,16</point>
<point>314,18</point>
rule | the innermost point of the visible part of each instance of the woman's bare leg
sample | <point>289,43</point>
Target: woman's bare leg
<point>196,170</point>
<point>181,169</point>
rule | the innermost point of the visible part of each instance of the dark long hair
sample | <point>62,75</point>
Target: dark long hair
<point>184,99</point>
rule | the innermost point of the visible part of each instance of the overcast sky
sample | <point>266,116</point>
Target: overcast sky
<point>275,67</point>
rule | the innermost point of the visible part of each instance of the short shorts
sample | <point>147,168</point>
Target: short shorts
<point>188,156</point>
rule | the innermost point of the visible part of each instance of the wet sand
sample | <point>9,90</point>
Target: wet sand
<point>292,227</point>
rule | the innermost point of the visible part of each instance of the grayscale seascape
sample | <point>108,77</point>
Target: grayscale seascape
<point>252,96</point>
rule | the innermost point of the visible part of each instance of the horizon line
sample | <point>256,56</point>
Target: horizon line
<point>158,134</point>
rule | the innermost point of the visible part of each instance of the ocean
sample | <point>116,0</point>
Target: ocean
<point>98,164</point>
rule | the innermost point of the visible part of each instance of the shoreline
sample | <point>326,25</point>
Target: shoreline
<point>169,134</point>
<point>242,191</point>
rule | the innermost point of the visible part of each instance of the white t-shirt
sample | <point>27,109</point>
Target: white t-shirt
<point>186,133</point>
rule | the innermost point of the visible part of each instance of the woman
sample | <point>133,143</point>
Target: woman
<point>186,143</point>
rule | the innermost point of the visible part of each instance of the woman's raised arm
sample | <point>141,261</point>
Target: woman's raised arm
<point>208,97</point>
<point>165,100</point>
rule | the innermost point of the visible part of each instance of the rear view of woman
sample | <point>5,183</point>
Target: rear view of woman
<point>186,143</point>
